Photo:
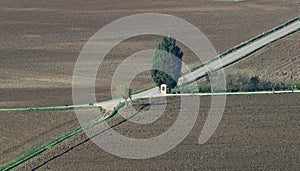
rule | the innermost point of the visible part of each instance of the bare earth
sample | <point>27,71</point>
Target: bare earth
<point>276,62</point>
<point>22,131</point>
<point>256,132</point>
<point>41,40</point>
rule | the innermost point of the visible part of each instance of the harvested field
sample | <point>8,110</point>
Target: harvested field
<point>257,132</point>
<point>39,45</point>
<point>40,42</point>
<point>22,131</point>
<point>276,62</point>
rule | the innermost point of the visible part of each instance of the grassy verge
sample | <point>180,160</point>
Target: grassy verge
<point>58,108</point>
<point>56,141</point>
<point>52,143</point>
<point>145,89</point>
<point>246,43</point>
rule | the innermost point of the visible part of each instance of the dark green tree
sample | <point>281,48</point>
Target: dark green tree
<point>254,81</point>
<point>167,63</point>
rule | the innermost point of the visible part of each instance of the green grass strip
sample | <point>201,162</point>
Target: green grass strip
<point>54,142</point>
<point>145,89</point>
<point>41,109</point>
<point>246,43</point>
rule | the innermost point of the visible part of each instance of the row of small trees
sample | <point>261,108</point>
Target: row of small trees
<point>241,82</point>
<point>166,69</point>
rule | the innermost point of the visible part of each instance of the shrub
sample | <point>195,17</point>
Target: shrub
<point>117,108</point>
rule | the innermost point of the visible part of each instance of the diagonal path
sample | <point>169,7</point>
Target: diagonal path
<point>223,60</point>
<point>240,52</point>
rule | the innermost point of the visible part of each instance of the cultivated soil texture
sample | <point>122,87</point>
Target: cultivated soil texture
<point>40,41</point>
<point>23,131</point>
<point>276,62</point>
<point>256,132</point>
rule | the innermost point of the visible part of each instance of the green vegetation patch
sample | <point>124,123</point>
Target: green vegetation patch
<point>54,142</point>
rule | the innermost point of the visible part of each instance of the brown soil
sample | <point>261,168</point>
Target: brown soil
<point>22,131</point>
<point>39,45</point>
<point>256,132</point>
<point>277,62</point>
<point>40,42</point>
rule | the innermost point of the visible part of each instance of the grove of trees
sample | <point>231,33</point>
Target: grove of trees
<point>167,63</point>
